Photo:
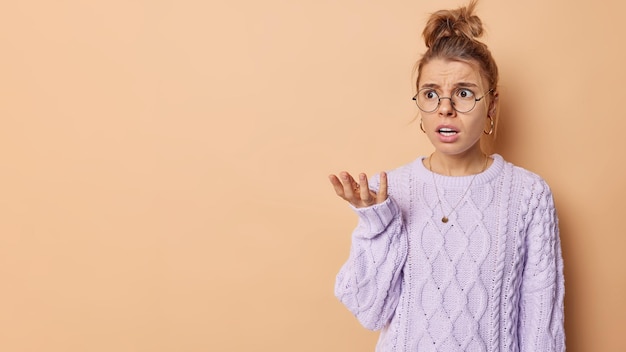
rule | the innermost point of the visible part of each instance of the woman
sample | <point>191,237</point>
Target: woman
<point>460,250</point>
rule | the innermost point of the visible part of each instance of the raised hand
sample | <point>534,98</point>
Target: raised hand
<point>358,193</point>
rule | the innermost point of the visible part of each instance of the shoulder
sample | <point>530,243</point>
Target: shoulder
<point>398,176</point>
<point>399,182</point>
<point>406,169</point>
<point>534,188</point>
<point>519,174</point>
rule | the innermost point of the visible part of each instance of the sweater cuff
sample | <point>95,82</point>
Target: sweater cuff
<point>374,219</point>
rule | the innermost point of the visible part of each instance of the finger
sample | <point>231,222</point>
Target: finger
<point>349,185</point>
<point>381,196</point>
<point>337,186</point>
<point>366,195</point>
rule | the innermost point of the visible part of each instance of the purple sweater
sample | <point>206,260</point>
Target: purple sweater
<point>490,279</point>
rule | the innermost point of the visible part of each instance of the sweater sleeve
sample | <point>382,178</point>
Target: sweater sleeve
<point>369,283</point>
<point>542,290</point>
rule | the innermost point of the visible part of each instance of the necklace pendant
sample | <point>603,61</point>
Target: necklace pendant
<point>444,219</point>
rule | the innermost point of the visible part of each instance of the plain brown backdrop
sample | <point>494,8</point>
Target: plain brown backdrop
<point>164,164</point>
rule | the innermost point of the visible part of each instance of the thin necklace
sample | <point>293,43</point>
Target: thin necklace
<point>444,219</point>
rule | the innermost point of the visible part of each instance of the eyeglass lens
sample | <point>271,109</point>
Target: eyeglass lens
<point>463,100</point>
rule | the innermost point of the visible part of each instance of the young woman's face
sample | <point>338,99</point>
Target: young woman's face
<point>452,132</point>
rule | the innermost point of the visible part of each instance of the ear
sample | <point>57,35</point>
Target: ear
<point>493,104</point>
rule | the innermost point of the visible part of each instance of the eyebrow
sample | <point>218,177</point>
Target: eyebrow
<point>456,85</point>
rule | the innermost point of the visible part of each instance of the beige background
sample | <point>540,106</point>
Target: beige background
<point>163,164</point>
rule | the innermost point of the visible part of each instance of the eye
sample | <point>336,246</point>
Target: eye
<point>464,93</point>
<point>429,94</point>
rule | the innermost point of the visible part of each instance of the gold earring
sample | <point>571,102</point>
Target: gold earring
<point>422,126</point>
<point>490,129</point>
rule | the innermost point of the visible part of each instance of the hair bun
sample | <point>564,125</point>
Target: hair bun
<point>453,23</point>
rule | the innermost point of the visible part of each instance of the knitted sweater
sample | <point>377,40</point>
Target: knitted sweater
<point>490,279</point>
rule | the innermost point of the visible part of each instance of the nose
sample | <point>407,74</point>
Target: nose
<point>445,107</point>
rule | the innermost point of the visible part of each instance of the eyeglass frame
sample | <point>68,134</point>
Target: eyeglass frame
<point>449,98</point>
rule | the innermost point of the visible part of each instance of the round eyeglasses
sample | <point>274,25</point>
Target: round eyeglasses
<point>462,99</point>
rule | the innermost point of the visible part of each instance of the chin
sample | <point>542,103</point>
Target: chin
<point>458,150</point>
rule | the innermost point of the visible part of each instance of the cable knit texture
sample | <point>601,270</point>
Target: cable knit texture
<point>490,279</point>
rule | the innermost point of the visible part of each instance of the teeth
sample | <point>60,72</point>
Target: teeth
<point>447,131</point>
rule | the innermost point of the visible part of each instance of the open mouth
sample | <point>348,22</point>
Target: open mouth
<point>447,132</point>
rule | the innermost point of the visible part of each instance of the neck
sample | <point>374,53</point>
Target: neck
<point>457,165</point>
